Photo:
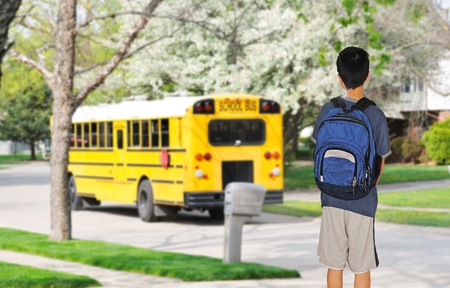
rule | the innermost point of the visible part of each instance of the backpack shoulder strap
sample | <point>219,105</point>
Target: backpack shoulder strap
<point>363,103</point>
<point>339,102</point>
<point>336,102</point>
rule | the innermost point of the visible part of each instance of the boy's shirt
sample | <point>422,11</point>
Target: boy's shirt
<point>367,205</point>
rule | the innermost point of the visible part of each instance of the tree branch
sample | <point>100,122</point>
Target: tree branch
<point>112,15</point>
<point>51,81</point>
<point>78,72</point>
<point>130,54</point>
<point>121,53</point>
<point>437,16</point>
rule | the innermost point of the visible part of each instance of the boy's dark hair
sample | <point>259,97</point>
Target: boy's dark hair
<point>353,66</point>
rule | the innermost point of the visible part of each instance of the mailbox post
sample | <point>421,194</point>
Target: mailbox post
<point>242,202</point>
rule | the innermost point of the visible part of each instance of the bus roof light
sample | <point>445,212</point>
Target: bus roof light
<point>274,107</point>
<point>268,106</point>
<point>199,107</point>
<point>208,106</point>
<point>205,106</point>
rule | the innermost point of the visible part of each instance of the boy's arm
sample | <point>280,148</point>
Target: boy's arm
<point>381,170</point>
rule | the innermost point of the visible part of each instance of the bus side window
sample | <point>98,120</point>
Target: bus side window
<point>144,133</point>
<point>109,136</point>
<point>86,135</point>
<point>79,133</point>
<point>101,131</point>
<point>129,133</point>
<point>94,134</point>
<point>72,135</point>
<point>136,133</point>
<point>119,139</point>
<point>165,132</point>
<point>155,133</point>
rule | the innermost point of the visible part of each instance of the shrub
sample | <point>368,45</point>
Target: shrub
<point>396,148</point>
<point>437,141</point>
<point>412,150</point>
<point>305,150</point>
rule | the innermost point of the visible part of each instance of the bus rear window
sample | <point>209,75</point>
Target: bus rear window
<point>236,132</point>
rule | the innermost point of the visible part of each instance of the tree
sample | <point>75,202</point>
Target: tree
<point>284,50</point>
<point>25,105</point>
<point>66,97</point>
<point>437,141</point>
<point>8,9</point>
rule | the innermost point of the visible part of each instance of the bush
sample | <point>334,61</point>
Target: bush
<point>437,141</point>
<point>396,148</point>
<point>305,150</point>
<point>412,150</point>
<point>405,149</point>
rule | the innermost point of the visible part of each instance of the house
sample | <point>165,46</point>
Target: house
<point>423,104</point>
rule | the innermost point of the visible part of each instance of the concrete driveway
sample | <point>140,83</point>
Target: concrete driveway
<point>410,256</point>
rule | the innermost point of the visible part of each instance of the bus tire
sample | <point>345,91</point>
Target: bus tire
<point>90,202</point>
<point>146,208</point>
<point>216,213</point>
<point>76,203</point>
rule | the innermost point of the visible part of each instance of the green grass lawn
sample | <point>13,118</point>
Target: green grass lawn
<point>17,159</point>
<point>140,260</point>
<point>18,276</point>
<point>303,177</point>
<point>424,218</point>
<point>435,198</point>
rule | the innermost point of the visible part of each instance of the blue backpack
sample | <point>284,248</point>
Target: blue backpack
<point>346,165</point>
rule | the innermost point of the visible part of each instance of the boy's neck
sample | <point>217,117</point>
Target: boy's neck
<point>356,93</point>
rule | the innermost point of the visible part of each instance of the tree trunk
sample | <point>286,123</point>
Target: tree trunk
<point>8,9</point>
<point>61,225</point>
<point>33,152</point>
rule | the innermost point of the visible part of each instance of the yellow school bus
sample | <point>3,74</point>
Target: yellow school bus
<point>176,153</point>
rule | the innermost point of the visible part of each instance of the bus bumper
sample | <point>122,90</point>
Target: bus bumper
<point>215,199</point>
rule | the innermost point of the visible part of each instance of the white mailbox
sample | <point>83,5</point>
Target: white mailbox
<point>244,199</point>
<point>242,202</point>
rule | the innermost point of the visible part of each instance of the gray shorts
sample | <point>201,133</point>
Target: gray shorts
<point>347,237</point>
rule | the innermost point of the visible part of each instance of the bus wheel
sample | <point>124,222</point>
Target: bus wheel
<point>76,203</point>
<point>146,208</point>
<point>216,213</point>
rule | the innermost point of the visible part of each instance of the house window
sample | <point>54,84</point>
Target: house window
<point>420,86</point>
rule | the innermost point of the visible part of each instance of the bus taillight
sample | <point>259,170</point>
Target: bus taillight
<point>268,106</point>
<point>267,155</point>
<point>204,107</point>
<point>276,155</point>
<point>199,156</point>
<point>207,156</point>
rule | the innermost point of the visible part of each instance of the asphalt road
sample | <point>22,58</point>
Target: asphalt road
<point>410,256</point>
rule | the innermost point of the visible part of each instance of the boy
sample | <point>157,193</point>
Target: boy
<point>347,228</point>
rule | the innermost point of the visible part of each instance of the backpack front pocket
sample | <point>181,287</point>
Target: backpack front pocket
<point>338,167</point>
